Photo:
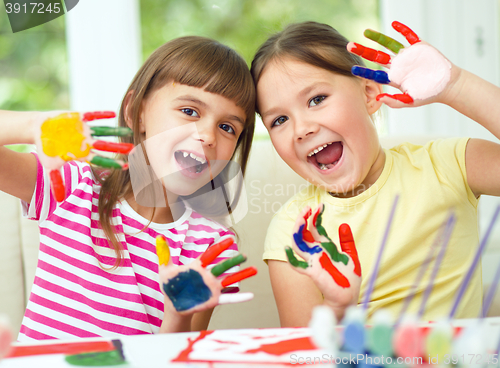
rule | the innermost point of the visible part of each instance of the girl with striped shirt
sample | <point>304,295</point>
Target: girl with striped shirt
<point>97,273</point>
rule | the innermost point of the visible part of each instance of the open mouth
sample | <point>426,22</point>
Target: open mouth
<point>326,156</point>
<point>191,162</point>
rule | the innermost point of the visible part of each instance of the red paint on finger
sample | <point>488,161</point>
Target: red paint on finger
<point>410,36</point>
<point>349,247</point>
<point>214,250</point>
<point>306,234</point>
<point>57,185</point>
<point>340,279</point>
<point>113,147</point>
<point>89,116</point>
<point>370,54</point>
<point>238,276</point>
<point>403,97</point>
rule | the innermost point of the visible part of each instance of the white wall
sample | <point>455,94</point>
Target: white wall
<point>467,32</point>
<point>104,52</point>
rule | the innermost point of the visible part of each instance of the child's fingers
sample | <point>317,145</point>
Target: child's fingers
<point>223,266</point>
<point>369,54</point>
<point>294,261</point>
<point>318,232</point>
<point>378,76</point>
<point>349,247</point>
<point>395,101</point>
<point>108,163</point>
<point>238,276</point>
<point>384,40</point>
<point>235,298</point>
<point>327,244</point>
<point>214,250</point>
<point>124,148</point>
<point>105,131</point>
<point>57,185</point>
<point>306,234</point>
<point>303,247</point>
<point>163,251</point>
<point>302,236</point>
<point>93,115</point>
<point>410,36</point>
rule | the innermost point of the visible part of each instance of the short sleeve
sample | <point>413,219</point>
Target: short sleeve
<point>77,177</point>
<point>448,157</point>
<point>43,202</point>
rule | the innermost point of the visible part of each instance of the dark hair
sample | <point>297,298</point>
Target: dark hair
<point>313,43</point>
<point>193,61</point>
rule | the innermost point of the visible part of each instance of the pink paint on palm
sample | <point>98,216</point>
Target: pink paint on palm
<point>420,70</point>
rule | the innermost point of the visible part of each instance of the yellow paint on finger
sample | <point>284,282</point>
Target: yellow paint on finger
<point>162,250</point>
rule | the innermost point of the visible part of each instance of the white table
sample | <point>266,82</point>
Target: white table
<point>157,351</point>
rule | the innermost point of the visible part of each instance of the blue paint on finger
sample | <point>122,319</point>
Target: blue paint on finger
<point>299,240</point>
<point>378,76</point>
<point>187,290</point>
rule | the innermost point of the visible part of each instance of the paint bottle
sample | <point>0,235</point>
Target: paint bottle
<point>408,339</point>
<point>379,335</point>
<point>354,336</point>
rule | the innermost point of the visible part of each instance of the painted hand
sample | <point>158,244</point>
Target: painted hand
<point>420,71</point>
<point>193,288</point>
<point>67,137</point>
<point>336,274</point>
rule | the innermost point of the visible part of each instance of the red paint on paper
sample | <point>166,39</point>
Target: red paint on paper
<point>283,347</point>
<point>68,348</point>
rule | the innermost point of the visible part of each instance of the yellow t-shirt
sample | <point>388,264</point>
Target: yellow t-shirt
<point>430,180</point>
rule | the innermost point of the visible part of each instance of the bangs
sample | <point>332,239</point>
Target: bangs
<point>207,64</point>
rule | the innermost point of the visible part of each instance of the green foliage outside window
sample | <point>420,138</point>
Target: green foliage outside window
<point>34,66</point>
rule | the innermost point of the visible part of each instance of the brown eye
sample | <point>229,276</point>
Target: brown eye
<point>279,121</point>
<point>316,100</point>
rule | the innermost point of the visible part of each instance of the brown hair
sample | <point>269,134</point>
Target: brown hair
<point>313,43</point>
<point>193,61</point>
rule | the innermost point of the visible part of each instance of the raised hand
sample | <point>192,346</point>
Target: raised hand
<point>67,137</point>
<point>420,71</point>
<point>193,288</point>
<point>336,274</point>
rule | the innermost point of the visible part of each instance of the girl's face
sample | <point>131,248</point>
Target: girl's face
<point>319,123</point>
<point>190,135</point>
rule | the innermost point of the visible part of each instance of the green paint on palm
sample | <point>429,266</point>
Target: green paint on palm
<point>330,246</point>
<point>293,260</point>
<point>227,264</point>
<point>384,40</point>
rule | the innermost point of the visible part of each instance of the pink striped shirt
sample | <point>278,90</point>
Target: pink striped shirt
<point>72,295</point>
